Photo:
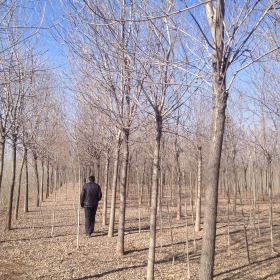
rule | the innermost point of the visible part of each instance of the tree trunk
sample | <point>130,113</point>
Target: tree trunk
<point>198,194</point>
<point>216,22</point>
<point>52,183</point>
<point>98,169</point>
<point>37,179</point>
<point>178,180</point>
<point>2,158</point>
<point>236,186</point>
<point>211,199</point>
<point>120,244</point>
<point>48,179</point>
<point>106,175</point>
<point>156,166</point>
<point>26,205</point>
<point>269,185</point>
<point>143,183</point>
<point>114,188</point>
<point>178,170</point>
<point>42,181</point>
<point>11,194</point>
<point>171,186</point>
<point>245,180</point>
<point>56,178</point>
<point>19,187</point>
<point>128,178</point>
<point>261,183</point>
<point>150,182</point>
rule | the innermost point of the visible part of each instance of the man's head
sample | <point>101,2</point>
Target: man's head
<point>91,178</point>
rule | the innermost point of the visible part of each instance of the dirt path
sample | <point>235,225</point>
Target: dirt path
<point>29,251</point>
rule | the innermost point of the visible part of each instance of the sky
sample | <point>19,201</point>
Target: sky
<point>55,50</point>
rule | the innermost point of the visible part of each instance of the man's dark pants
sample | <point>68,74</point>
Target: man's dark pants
<point>90,219</point>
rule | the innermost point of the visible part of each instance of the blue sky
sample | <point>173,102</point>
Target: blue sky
<point>55,50</point>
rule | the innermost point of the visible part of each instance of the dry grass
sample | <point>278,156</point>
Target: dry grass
<point>30,252</point>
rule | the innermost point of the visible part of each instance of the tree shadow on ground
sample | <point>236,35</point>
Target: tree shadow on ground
<point>198,239</point>
<point>165,260</point>
<point>146,228</point>
<point>99,275</point>
<point>158,247</point>
<point>43,227</point>
<point>277,273</point>
<point>132,230</point>
<point>241,270</point>
<point>99,233</point>
<point>36,238</point>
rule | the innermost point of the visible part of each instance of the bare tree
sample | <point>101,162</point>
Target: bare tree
<point>228,43</point>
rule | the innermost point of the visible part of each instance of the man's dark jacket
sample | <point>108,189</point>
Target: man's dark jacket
<point>90,195</point>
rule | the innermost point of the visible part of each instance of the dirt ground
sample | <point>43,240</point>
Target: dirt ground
<point>36,250</point>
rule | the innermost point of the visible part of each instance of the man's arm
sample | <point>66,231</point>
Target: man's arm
<point>82,197</point>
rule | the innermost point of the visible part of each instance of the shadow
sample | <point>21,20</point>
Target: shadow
<point>146,228</point>
<point>132,230</point>
<point>98,234</point>
<point>198,239</point>
<point>43,227</point>
<point>102,274</point>
<point>99,275</point>
<point>158,247</point>
<point>178,257</point>
<point>252,265</point>
<point>36,238</point>
<point>277,273</point>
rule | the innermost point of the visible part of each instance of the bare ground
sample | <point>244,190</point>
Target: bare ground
<point>30,251</point>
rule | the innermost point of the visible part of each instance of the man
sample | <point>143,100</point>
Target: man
<point>90,196</point>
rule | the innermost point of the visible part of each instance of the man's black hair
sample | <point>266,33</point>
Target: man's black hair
<point>91,178</point>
